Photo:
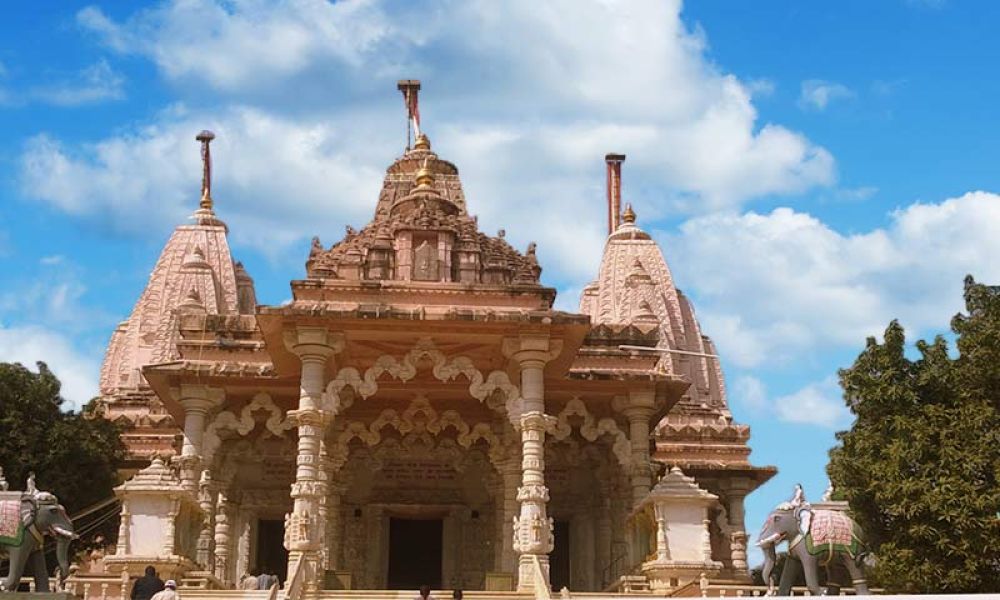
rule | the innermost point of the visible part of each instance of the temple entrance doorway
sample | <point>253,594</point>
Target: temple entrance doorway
<point>559,558</point>
<point>415,551</point>
<point>272,557</point>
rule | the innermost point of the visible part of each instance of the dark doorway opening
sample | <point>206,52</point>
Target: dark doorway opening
<point>272,557</point>
<point>415,549</point>
<point>559,559</point>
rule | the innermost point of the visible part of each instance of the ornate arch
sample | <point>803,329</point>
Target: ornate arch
<point>418,421</point>
<point>277,423</point>
<point>591,429</point>
<point>483,388</point>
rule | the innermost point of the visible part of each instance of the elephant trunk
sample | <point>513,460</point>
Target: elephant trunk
<point>770,558</point>
<point>62,555</point>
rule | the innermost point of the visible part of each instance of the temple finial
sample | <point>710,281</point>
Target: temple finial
<point>629,215</point>
<point>424,177</point>
<point>206,137</point>
<point>411,90</point>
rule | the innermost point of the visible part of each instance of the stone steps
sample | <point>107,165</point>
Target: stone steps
<point>202,594</point>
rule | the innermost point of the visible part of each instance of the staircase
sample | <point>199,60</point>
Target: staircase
<point>195,594</point>
<point>198,594</point>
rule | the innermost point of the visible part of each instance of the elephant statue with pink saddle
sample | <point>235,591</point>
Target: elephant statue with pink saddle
<point>26,520</point>
<point>815,538</point>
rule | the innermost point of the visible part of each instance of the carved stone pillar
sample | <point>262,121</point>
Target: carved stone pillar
<point>735,495</point>
<point>304,532</point>
<point>222,534</point>
<point>331,462</point>
<point>197,401</point>
<point>533,539</point>
<point>603,553</point>
<point>207,494</point>
<point>511,475</point>
<point>639,410</point>
<point>706,540</point>
<point>243,560</point>
<point>124,530</point>
<point>169,536</point>
<point>662,549</point>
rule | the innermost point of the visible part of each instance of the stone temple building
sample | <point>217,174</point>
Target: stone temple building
<point>419,413</point>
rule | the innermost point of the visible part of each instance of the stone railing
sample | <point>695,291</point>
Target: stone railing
<point>695,589</point>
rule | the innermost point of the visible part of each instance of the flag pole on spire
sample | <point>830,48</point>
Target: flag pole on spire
<point>411,89</point>
<point>206,137</point>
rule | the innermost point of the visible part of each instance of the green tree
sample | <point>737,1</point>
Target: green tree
<point>919,466</point>
<point>74,456</point>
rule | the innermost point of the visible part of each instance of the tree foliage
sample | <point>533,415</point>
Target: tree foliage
<point>73,456</point>
<point>919,466</point>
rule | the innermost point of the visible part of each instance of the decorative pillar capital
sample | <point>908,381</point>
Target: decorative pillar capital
<point>640,402</point>
<point>315,343</point>
<point>532,350</point>
<point>198,399</point>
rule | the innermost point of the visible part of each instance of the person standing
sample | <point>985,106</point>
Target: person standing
<point>169,591</point>
<point>249,582</point>
<point>147,586</point>
<point>425,593</point>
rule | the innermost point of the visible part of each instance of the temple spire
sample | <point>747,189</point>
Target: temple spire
<point>411,90</point>
<point>614,174</point>
<point>206,137</point>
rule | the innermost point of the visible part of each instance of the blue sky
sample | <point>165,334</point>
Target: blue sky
<point>811,170</point>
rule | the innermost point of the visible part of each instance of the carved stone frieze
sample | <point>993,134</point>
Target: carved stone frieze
<point>277,423</point>
<point>481,387</point>
<point>591,429</point>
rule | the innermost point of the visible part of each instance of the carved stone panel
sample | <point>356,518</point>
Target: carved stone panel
<point>425,262</point>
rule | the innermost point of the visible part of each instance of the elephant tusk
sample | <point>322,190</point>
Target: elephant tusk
<point>66,533</point>
<point>771,539</point>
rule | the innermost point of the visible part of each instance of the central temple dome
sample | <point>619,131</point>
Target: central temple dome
<point>422,231</point>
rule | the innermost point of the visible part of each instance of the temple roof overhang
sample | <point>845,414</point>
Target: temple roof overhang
<point>231,376</point>
<point>373,329</point>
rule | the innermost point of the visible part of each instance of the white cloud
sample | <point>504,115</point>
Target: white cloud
<point>30,344</point>
<point>232,46</point>
<point>815,404</point>
<point>526,100</point>
<point>52,295</point>
<point>276,180</point>
<point>750,392</point>
<point>818,403</point>
<point>858,194</point>
<point>91,85</point>
<point>761,87</point>
<point>96,83</point>
<point>817,94</point>
<point>769,287</point>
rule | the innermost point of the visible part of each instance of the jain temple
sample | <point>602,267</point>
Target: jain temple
<point>419,413</point>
